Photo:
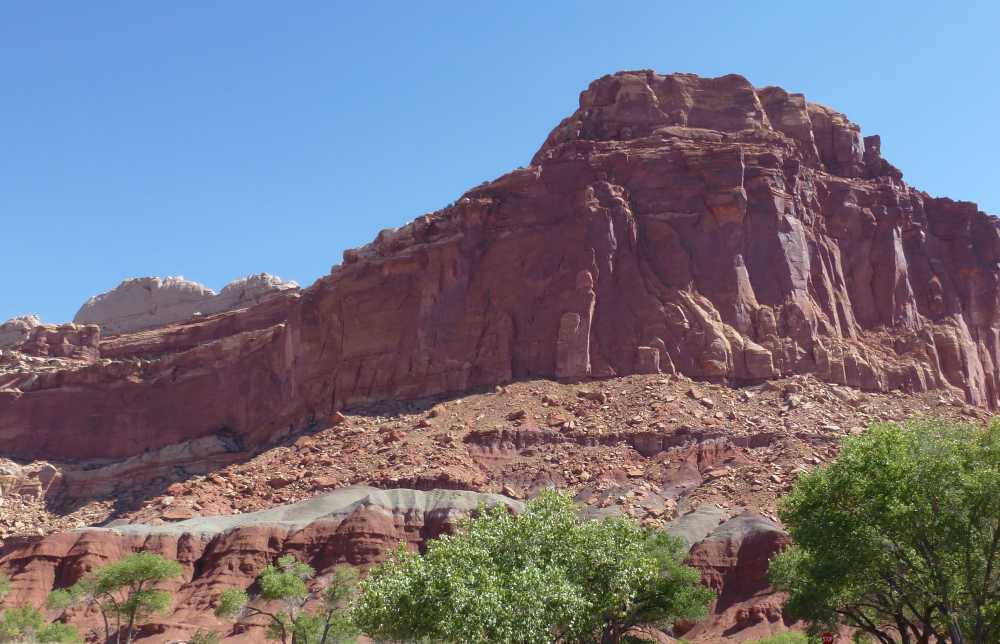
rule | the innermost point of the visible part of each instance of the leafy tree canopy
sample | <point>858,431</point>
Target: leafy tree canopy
<point>26,624</point>
<point>124,591</point>
<point>541,576</point>
<point>20,622</point>
<point>900,535</point>
<point>287,581</point>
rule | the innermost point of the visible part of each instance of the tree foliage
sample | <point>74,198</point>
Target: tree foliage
<point>124,592</point>
<point>20,623</point>
<point>334,624</point>
<point>26,624</point>
<point>541,576</point>
<point>204,636</point>
<point>287,583</point>
<point>900,536</point>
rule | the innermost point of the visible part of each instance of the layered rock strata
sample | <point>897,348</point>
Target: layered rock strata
<point>357,526</point>
<point>671,224</point>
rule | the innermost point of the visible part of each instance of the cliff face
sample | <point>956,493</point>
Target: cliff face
<point>672,223</point>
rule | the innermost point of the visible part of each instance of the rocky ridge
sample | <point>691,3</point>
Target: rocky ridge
<point>727,280</point>
<point>15,331</point>
<point>672,224</point>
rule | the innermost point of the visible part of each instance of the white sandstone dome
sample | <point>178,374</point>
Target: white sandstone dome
<point>150,302</point>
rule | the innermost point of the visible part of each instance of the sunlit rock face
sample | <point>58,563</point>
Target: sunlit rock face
<point>670,224</point>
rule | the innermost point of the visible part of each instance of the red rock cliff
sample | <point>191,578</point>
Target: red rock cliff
<point>672,223</point>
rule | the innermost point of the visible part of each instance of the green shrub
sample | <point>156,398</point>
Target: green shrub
<point>26,624</point>
<point>203,636</point>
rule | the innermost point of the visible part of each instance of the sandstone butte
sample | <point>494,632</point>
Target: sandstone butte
<point>672,224</point>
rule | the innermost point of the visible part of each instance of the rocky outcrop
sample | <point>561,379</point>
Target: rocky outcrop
<point>33,480</point>
<point>16,330</point>
<point>149,302</point>
<point>733,560</point>
<point>672,223</point>
<point>215,376</point>
<point>355,525</point>
<point>72,341</point>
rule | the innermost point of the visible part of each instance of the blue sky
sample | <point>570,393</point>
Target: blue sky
<point>216,139</point>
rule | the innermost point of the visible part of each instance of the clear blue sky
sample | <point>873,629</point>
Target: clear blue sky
<point>216,139</point>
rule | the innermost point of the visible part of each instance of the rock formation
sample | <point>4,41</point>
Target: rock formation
<point>355,525</point>
<point>672,223</point>
<point>34,480</point>
<point>16,330</point>
<point>149,302</point>
<point>733,559</point>
<point>701,228</point>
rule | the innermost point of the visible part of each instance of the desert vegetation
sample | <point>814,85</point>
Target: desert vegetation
<point>899,537</point>
<point>124,592</point>
<point>286,582</point>
<point>27,624</point>
<point>541,576</point>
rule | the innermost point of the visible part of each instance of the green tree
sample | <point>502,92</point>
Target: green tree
<point>900,536</point>
<point>202,636</point>
<point>58,633</point>
<point>287,582</point>
<point>20,623</point>
<point>26,624</point>
<point>335,623</point>
<point>540,576</point>
<point>124,591</point>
